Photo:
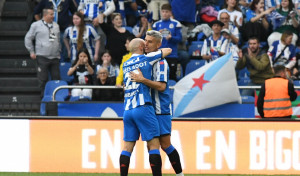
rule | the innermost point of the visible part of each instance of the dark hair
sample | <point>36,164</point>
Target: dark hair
<point>166,7</point>
<point>236,7</point>
<point>285,34</point>
<point>252,5</point>
<point>83,50</point>
<point>108,52</point>
<point>81,30</point>
<point>130,37</point>
<point>291,7</point>
<point>278,69</point>
<point>254,38</point>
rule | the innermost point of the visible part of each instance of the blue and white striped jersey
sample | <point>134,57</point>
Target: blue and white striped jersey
<point>92,8</point>
<point>90,35</point>
<point>161,100</point>
<point>211,47</point>
<point>138,94</point>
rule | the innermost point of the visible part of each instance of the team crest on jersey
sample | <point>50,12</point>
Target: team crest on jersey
<point>171,26</point>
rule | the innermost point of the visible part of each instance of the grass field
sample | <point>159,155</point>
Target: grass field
<point>97,174</point>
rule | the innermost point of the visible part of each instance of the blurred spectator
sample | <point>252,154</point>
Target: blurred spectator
<point>289,24</point>
<point>143,25</point>
<point>244,5</point>
<point>183,54</point>
<point>232,8</point>
<point>184,15</point>
<point>43,43</point>
<point>282,52</point>
<point>215,45</point>
<point>234,33</point>
<point>272,3</point>
<point>103,80</point>
<point>257,63</point>
<point>62,9</point>
<point>81,36</point>
<point>116,37</point>
<point>231,47</point>
<point>107,62</point>
<point>171,32</point>
<point>119,79</point>
<point>154,6</point>
<point>83,71</point>
<point>131,12</point>
<point>91,11</point>
<point>256,21</point>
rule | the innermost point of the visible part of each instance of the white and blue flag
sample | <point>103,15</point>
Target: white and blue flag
<point>211,85</point>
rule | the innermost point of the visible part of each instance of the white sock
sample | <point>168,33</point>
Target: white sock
<point>180,174</point>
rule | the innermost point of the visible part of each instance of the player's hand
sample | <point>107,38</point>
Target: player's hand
<point>137,76</point>
<point>169,37</point>
<point>95,22</point>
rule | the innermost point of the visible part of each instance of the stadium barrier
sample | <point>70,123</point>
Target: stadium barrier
<point>206,146</point>
<point>115,109</point>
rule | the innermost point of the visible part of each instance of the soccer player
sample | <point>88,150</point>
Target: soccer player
<point>139,116</point>
<point>160,98</point>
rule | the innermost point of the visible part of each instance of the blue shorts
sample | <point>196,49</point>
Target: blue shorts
<point>165,124</point>
<point>140,120</point>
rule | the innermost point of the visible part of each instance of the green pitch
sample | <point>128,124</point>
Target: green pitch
<point>100,174</point>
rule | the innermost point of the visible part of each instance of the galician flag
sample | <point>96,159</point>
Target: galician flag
<point>211,85</point>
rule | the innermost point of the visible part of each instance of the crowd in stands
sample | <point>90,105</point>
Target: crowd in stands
<point>94,36</point>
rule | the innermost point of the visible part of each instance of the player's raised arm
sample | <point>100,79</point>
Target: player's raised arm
<point>166,52</point>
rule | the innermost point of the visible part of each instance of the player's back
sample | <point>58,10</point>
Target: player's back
<point>137,94</point>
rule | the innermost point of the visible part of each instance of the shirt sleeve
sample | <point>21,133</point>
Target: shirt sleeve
<point>94,33</point>
<point>292,92</point>
<point>260,101</point>
<point>161,71</point>
<point>204,49</point>
<point>154,57</point>
<point>81,5</point>
<point>224,46</point>
<point>29,37</point>
<point>111,8</point>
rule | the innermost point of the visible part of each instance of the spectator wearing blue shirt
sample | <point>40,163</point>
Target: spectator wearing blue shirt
<point>185,15</point>
<point>171,32</point>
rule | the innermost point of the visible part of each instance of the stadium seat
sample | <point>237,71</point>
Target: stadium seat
<point>61,95</point>
<point>193,65</point>
<point>79,98</point>
<point>296,82</point>
<point>244,81</point>
<point>195,49</point>
<point>200,36</point>
<point>244,73</point>
<point>64,68</point>
<point>128,28</point>
<point>297,50</point>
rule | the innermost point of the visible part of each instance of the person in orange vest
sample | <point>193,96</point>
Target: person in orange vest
<point>276,94</point>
